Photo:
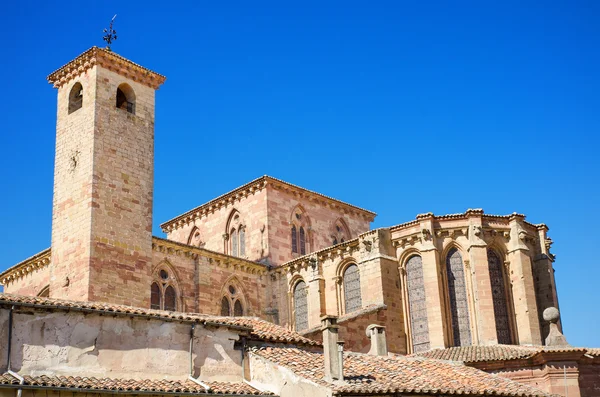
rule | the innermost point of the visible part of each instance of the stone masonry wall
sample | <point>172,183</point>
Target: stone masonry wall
<point>213,227</point>
<point>121,231</point>
<point>203,278</point>
<point>320,218</point>
<point>77,344</point>
<point>72,200</point>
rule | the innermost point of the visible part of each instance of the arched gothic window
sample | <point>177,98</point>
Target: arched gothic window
<point>352,298</point>
<point>237,235</point>
<point>459,303</point>
<point>234,242</point>
<point>499,298</point>
<point>195,238</point>
<point>300,306</point>
<point>299,223</point>
<point>45,292</point>
<point>225,311</point>
<point>126,98</point>
<point>231,303</point>
<point>417,304</point>
<point>155,297</point>
<point>294,239</point>
<point>163,290</point>
<point>340,232</point>
<point>302,241</point>
<point>75,98</point>
<point>238,310</point>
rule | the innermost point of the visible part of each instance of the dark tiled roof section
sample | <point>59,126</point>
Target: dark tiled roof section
<point>259,329</point>
<point>132,385</point>
<point>471,354</point>
<point>375,375</point>
<point>594,352</point>
<point>475,354</point>
<point>265,330</point>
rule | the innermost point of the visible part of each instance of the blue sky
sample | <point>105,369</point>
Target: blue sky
<point>398,107</point>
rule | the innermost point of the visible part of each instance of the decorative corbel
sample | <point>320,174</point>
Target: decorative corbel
<point>426,234</point>
<point>368,244</point>
<point>548,243</point>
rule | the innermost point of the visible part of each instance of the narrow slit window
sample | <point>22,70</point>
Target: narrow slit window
<point>238,310</point>
<point>170,299</point>
<point>302,241</point>
<point>224,306</point>
<point>294,239</point>
<point>155,296</point>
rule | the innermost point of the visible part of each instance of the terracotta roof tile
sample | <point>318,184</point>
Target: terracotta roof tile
<point>133,385</point>
<point>259,329</point>
<point>372,375</point>
<point>476,354</point>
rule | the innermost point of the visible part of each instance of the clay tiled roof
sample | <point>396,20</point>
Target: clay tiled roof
<point>107,59</point>
<point>471,354</point>
<point>131,385</point>
<point>257,328</point>
<point>464,215</point>
<point>476,354</point>
<point>376,375</point>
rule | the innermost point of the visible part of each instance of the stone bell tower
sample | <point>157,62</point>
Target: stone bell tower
<point>103,179</point>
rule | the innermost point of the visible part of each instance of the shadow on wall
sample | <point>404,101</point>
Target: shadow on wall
<point>68,343</point>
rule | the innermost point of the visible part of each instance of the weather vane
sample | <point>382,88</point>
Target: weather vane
<point>110,34</point>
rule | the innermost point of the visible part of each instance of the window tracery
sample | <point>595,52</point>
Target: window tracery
<point>232,301</point>
<point>499,298</point>
<point>300,226</point>
<point>236,235</point>
<point>352,296</point>
<point>195,239</point>
<point>340,232</point>
<point>163,290</point>
<point>417,304</point>
<point>459,304</point>
<point>300,306</point>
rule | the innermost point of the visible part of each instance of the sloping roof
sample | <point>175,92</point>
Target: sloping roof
<point>475,354</point>
<point>131,385</point>
<point>110,60</point>
<point>257,183</point>
<point>259,329</point>
<point>375,375</point>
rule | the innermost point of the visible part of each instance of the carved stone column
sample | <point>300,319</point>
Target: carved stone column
<point>526,311</point>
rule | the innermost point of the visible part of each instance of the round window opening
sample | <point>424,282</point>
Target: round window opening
<point>164,275</point>
<point>231,289</point>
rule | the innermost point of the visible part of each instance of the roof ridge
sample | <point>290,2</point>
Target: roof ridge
<point>264,179</point>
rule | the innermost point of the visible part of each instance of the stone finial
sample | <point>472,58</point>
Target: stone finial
<point>555,337</point>
<point>378,341</point>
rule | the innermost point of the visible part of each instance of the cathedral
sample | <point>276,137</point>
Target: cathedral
<point>268,289</point>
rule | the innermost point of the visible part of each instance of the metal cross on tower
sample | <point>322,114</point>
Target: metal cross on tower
<point>110,34</point>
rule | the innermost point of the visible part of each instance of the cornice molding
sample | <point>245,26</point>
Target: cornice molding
<point>257,185</point>
<point>29,265</point>
<point>108,60</point>
<point>218,259</point>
